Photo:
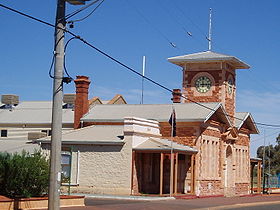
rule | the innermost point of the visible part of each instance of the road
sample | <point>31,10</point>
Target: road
<point>249,203</point>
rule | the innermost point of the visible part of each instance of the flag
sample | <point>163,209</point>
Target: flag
<point>172,122</point>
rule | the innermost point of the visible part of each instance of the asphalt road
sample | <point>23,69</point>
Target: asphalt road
<point>249,203</point>
<point>206,203</point>
<point>260,207</point>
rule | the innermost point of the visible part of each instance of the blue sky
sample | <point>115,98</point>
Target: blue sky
<point>128,30</point>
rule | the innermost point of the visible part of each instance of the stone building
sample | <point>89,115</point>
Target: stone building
<point>210,154</point>
<point>224,156</point>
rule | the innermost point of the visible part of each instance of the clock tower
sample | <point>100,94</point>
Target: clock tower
<point>210,77</point>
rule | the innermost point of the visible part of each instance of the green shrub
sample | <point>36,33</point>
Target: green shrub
<point>23,175</point>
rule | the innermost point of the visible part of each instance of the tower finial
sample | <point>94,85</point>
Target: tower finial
<point>210,30</point>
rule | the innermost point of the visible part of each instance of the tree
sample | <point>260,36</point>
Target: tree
<point>23,175</point>
<point>272,153</point>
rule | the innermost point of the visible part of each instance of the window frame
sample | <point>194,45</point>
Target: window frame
<point>4,133</point>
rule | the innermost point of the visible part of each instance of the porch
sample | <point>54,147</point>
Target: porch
<point>256,162</point>
<point>163,169</point>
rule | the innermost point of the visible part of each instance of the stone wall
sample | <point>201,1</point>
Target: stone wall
<point>186,133</point>
<point>210,187</point>
<point>104,169</point>
<point>242,188</point>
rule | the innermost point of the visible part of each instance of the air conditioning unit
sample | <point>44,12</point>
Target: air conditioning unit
<point>69,98</point>
<point>10,99</point>
<point>36,135</point>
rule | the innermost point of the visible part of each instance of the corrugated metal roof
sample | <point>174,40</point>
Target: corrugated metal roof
<point>242,117</point>
<point>255,159</point>
<point>13,146</point>
<point>187,112</point>
<point>164,145</point>
<point>97,133</point>
<point>208,56</point>
<point>33,112</point>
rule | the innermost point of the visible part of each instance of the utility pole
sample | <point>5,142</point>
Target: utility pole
<point>55,170</point>
<point>268,177</point>
<point>263,163</point>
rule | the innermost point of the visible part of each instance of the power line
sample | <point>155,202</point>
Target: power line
<point>188,32</point>
<point>81,19</point>
<point>254,140</point>
<point>183,13</point>
<point>152,25</point>
<point>80,10</point>
<point>132,70</point>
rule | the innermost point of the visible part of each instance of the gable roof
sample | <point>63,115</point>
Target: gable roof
<point>33,112</point>
<point>97,135</point>
<point>185,112</point>
<point>118,99</point>
<point>163,145</point>
<point>208,56</point>
<point>94,100</point>
<point>243,118</point>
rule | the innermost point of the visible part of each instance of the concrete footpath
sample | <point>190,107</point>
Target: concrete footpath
<point>98,202</point>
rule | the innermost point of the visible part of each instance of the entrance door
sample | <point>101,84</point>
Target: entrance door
<point>229,173</point>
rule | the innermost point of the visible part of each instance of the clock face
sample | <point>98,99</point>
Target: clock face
<point>203,84</point>
<point>230,86</point>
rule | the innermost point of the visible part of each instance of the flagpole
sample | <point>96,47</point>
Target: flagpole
<point>143,74</point>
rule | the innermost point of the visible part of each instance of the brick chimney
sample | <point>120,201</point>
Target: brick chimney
<point>176,93</point>
<point>81,101</point>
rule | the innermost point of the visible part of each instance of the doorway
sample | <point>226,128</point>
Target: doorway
<point>229,191</point>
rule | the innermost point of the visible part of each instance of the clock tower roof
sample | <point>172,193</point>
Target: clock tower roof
<point>206,57</point>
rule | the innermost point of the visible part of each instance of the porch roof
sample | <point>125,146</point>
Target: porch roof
<point>255,160</point>
<point>156,144</point>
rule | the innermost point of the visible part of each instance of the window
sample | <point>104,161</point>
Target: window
<point>68,106</point>
<point>65,167</point>
<point>4,133</point>
<point>48,132</point>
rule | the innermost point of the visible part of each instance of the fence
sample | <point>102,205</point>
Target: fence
<point>270,181</point>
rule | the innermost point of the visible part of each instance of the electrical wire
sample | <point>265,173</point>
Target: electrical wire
<point>65,49</point>
<point>81,19</point>
<point>134,71</point>
<point>52,63</point>
<point>80,10</point>
<point>188,32</point>
<point>153,26</point>
<point>50,70</point>
<point>254,140</point>
<point>184,14</point>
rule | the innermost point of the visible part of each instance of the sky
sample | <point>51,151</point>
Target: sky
<point>128,30</point>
